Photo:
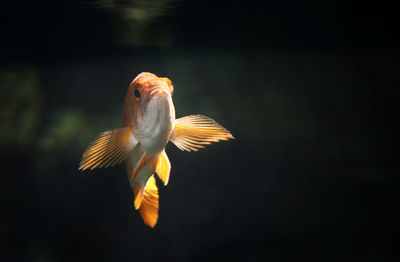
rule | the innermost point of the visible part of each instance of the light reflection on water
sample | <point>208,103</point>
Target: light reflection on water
<point>141,22</point>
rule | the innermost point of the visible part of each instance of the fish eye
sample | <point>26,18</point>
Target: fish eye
<point>137,93</point>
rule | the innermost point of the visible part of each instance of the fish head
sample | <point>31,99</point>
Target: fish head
<point>149,84</point>
<point>149,110</point>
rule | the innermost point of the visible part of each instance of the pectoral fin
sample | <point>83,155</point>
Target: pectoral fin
<point>110,148</point>
<point>163,168</point>
<point>195,131</point>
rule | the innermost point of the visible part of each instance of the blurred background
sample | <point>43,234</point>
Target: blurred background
<point>306,87</point>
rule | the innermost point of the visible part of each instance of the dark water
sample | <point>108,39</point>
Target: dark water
<point>307,89</point>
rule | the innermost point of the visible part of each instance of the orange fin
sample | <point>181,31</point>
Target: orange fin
<point>149,206</point>
<point>195,131</point>
<point>109,148</point>
<point>163,168</point>
<point>138,195</point>
<point>132,160</point>
<point>144,160</point>
<point>144,169</point>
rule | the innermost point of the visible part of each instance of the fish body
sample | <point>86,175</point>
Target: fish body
<point>148,124</point>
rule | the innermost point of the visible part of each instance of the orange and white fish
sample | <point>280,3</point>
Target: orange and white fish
<point>147,126</point>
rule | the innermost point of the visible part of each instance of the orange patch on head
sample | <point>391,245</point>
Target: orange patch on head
<point>143,78</point>
<point>166,79</point>
<point>169,82</point>
<point>143,83</point>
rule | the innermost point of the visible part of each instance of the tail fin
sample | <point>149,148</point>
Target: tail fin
<point>149,205</point>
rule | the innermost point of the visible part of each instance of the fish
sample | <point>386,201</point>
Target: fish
<point>148,124</point>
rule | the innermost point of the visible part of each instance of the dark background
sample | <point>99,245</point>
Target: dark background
<point>306,87</point>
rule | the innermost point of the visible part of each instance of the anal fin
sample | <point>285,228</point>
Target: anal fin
<point>149,206</point>
<point>140,176</point>
<point>138,195</point>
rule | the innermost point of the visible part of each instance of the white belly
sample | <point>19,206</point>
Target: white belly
<point>156,142</point>
<point>158,121</point>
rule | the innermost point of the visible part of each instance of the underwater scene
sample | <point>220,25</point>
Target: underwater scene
<point>262,131</point>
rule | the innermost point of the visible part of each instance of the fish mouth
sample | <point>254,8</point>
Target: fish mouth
<point>160,90</point>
